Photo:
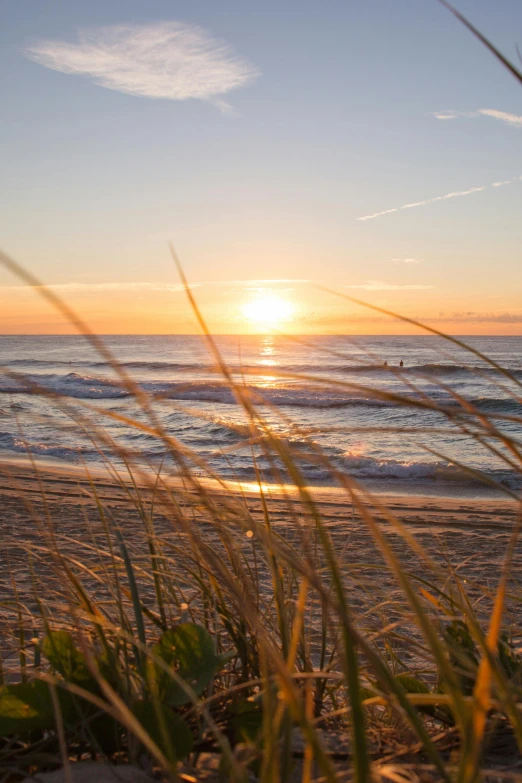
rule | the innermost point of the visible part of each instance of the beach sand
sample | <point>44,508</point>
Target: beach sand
<point>466,537</point>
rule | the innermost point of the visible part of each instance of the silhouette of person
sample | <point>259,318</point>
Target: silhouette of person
<point>385,364</point>
<point>401,364</point>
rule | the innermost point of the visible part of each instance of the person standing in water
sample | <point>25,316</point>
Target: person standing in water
<point>401,364</point>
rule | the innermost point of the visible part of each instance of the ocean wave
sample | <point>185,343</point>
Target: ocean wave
<point>74,385</point>
<point>497,404</point>
<point>71,385</point>
<point>362,467</point>
<point>492,405</point>
<point>147,447</point>
<point>429,369</point>
<point>321,366</point>
<point>366,468</point>
<point>77,386</point>
<point>359,467</point>
<point>9,442</point>
<point>134,364</point>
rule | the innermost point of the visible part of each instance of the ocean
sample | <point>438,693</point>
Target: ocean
<point>388,447</point>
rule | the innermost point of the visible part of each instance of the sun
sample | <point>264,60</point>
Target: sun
<point>268,310</point>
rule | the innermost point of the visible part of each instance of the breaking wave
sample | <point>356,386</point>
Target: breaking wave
<point>77,386</point>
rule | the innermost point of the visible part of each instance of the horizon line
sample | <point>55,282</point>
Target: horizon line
<point>255,334</point>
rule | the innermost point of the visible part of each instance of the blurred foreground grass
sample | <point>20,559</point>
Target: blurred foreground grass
<point>180,621</point>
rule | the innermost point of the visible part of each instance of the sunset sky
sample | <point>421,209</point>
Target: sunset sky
<point>373,148</point>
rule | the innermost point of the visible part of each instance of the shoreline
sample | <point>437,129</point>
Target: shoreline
<point>71,483</point>
<point>413,491</point>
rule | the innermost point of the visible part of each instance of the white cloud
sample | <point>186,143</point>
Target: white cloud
<point>378,285</point>
<point>378,214</point>
<point>446,115</point>
<point>406,261</point>
<point>171,60</point>
<point>504,116</point>
<point>451,114</point>
<point>453,194</point>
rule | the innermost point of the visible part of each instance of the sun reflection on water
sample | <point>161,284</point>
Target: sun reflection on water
<point>268,351</point>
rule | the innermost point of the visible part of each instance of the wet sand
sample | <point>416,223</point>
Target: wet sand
<point>70,485</point>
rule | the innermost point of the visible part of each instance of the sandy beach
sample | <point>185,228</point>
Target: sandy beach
<point>466,538</point>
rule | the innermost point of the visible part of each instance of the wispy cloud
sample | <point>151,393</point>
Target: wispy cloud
<point>88,288</point>
<point>379,285</point>
<point>264,281</point>
<point>453,194</point>
<point>343,319</point>
<point>503,116</point>
<point>447,115</point>
<point>474,317</point>
<point>378,214</point>
<point>406,260</point>
<point>171,60</point>
<point>92,287</point>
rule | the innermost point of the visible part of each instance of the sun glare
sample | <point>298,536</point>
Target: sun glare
<point>268,310</point>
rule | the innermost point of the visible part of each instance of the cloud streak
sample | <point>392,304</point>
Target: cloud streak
<point>80,288</point>
<point>378,285</point>
<point>473,317</point>
<point>343,318</point>
<point>453,194</point>
<point>504,116</point>
<point>170,60</point>
<point>100,287</point>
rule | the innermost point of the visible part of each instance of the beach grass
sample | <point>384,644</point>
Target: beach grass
<point>178,620</point>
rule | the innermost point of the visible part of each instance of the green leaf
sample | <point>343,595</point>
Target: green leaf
<point>65,658</point>
<point>25,707</point>
<point>458,636</point>
<point>510,660</point>
<point>105,732</point>
<point>412,684</point>
<point>463,654</point>
<point>189,650</point>
<point>167,729</point>
<point>246,722</point>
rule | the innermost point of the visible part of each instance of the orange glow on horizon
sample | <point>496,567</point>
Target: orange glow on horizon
<point>242,309</point>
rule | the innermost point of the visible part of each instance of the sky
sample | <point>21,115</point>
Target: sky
<point>286,149</point>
